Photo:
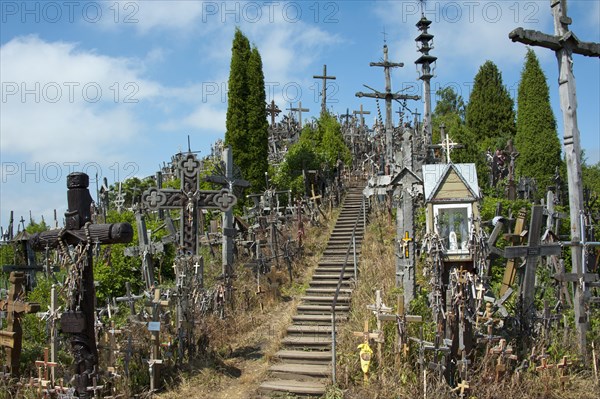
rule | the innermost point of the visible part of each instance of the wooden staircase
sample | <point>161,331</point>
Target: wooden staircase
<point>302,367</point>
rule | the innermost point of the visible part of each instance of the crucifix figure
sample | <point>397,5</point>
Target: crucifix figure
<point>79,317</point>
<point>324,88</point>
<point>564,43</point>
<point>299,110</point>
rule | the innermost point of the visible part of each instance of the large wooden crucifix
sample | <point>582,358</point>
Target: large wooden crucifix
<point>564,43</point>
<point>79,317</point>
<point>299,110</point>
<point>325,78</point>
<point>189,199</point>
<point>388,96</point>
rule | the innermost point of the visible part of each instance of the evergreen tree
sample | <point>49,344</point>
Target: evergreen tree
<point>490,114</point>
<point>536,139</point>
<point>258,134</point>
<point>237,100</point>
<point>246,123</point>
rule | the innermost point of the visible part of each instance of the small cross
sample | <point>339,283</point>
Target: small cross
<point>405,240</point>
<point>45,364</point>
<point>462,387</point>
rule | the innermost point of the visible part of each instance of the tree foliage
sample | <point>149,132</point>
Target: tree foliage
<point>536,139</point>
<point>246,111</point>
<point>319,148</point>
<point>490,113</point>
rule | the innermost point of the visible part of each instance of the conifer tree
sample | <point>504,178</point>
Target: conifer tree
<point>536,139</point>
<point>246,112</point>
<point>490,112</point>
<point>258,135</point>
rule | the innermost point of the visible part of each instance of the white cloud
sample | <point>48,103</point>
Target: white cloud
<point>59,101</point>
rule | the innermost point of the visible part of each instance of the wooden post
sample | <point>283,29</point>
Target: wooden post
<point>11,338</point>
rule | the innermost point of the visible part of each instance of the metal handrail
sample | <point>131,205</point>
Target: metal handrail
<point>351,245</point>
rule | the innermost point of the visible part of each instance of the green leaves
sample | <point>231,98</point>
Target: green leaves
<point>536,139</point>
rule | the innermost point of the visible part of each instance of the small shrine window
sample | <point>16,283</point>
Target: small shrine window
<point>453,225</point>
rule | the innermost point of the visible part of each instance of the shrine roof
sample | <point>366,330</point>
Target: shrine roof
<point>435,174</point>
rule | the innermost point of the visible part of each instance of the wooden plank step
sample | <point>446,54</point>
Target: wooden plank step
<point>294,387</point>
<point>324,299</point>
<point>315,370</point>
<point>309,330</point>
<point>321,309</point>
<point>327,275</point>
<point>304,355</point>
<point>330,291</point>
<point>318,318</point>
<point>307,341</point>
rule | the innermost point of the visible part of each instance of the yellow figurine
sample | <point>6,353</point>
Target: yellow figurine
<point>366,353</point>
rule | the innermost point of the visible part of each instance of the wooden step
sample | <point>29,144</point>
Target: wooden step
<point>306,356</point>
<point>317,342</point>
<point>324,299</point>
<point>296,329</point>
<point>313,370</point>
<point>328,291</point>
<point>294,387</point>
<point>321,309</point>
<point>317,318</point>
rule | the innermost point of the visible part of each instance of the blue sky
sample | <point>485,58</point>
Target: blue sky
<point>115,87</point>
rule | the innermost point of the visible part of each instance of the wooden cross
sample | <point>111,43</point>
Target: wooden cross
<point>564,43</point>
<point>401,319</point>
<point>446,145</point>
<point>95,388</point>
<point>14,307</point>
<point>362,114</point>
<point>532,251</point>
<point>80,232</point>
<point>299,110</point>
<point>324,88</point>
<point>504,353</point>
<point>273,110</point>
<point>367,335</point>
<point>229,231</point>
<point>189,199</point>
<point>112,346</point>
<point>156,303</point>
<point>510,272</point>
<point>388,96</point>
<point>145,249</point>
<point>462,387</point>
<point>379,309</point>
<point>129,298</point>
<point>562,366</point>
<point>45,364</point>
